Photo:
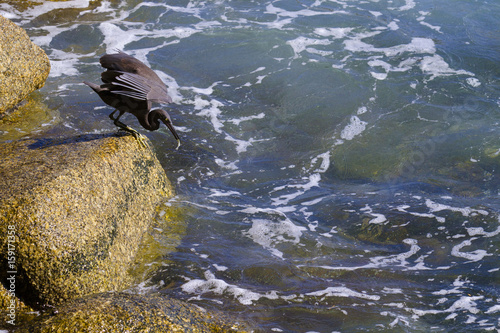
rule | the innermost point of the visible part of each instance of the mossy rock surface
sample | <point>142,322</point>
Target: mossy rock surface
<point>24,66</point>
<point>123,312</point>
<point>79,207</point>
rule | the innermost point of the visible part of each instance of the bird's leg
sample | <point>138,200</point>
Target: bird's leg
<point>138,136</point>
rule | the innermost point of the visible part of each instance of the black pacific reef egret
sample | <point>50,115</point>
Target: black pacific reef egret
<point>131,86</point>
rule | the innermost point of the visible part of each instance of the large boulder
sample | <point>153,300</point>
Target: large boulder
<point>24,67</point>
<point>77,208</point>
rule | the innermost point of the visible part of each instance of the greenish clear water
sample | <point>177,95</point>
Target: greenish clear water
<point>338,167</point>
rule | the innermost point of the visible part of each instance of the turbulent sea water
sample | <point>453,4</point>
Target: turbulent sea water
<point>339,167</point>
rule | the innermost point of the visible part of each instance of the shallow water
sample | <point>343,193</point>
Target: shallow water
<point>338,167</point>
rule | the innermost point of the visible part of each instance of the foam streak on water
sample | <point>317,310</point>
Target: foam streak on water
<point>339,158</point>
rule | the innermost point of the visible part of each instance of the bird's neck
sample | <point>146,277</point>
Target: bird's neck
<point>150,121</point>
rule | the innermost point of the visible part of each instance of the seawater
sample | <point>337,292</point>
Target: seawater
<point>339,165</point>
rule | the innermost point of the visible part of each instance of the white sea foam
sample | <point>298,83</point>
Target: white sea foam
<point>403,66</point>
<point>204,91</point>
<point>465,304</point>
<point>269,233</point>
<point>333,33</point>
<point>436,66</point>
<point>378,218</point>
<point>472,81</point>
<point>422,18</point>
<point>62,63</point>
<point>417,45</point>
<point>403,208</point>
<point>466,211</point>
<point>218,286</point>
<point>397,260</point>
<point>280,23</point>
<point>115,37</point>
<point>211,110</point>
<point>8,11</point>
<point>433,27</point>
<point>355,127</point>
<point>362,110</point>
<point>312,202</point>
<point>325,162</point>
<point>393,25</point>
<point>229,165</point>
<point>241,145</point>
<point>260,69</point>
<point>388,290</point>
<point>475,255</point>
<point>304,186</point>
<point>409,4</point>
<point>493,309</point>
<point>300,44</point>
<point>237,121</point>
<point>342,292</point>
<point>285,17</point>
<point>220,268</point>
<point>222,193</point>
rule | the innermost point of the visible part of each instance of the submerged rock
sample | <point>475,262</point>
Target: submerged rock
<point>29,117</point>
<point>24,67</point>
<point>78,207</point>
<point>122,312</point>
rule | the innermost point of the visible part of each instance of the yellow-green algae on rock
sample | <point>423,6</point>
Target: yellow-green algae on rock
<point>24,66</point>
<point>79,207</point>
<point>122,312</point>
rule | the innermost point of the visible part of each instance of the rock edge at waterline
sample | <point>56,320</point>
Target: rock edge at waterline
<point>123,312</point>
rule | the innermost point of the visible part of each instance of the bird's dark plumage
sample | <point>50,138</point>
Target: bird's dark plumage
<point>131,86</point>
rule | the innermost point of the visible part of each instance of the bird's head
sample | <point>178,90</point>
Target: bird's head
<point>165,118</point>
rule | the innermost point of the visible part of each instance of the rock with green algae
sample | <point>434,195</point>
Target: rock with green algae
<point>123,312</point>
<point>79,207</point>
<point>24,66</point>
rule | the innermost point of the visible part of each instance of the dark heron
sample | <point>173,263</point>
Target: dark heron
<point>131,86</point>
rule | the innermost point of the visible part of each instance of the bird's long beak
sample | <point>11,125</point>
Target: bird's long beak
<point>168,123</point>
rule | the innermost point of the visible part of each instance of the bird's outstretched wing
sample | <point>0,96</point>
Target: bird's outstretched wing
<point>135,86</point>
<point>126,84</point>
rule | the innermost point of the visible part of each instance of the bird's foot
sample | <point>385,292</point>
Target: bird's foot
<point>141,139</point>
